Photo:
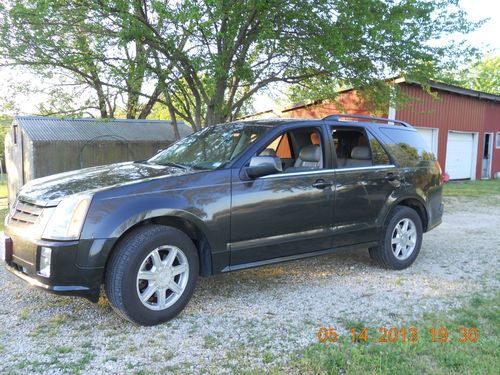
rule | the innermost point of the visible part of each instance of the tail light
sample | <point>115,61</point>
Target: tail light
<point>443,177</point>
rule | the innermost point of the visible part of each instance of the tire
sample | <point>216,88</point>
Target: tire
<point>147,249</point>
<point>387,254</point>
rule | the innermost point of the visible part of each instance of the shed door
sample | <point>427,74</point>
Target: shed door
<point>431,137</point>
<point>459,155</point>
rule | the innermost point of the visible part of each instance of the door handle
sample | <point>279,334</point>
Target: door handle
<point>392,177</point>
<point>321,184</point>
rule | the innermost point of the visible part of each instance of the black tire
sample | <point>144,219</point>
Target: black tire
<point>383,254</point>
<point>123,267</point>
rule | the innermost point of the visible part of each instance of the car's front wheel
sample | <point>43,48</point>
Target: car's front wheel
<point>401,239</point>
<point>151,275</point>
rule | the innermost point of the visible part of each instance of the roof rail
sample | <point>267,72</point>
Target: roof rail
<point>379,119</point>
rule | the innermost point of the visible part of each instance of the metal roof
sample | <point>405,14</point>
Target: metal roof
<point>454,89</point>
<point>432,84</point>
<point>49,129</point>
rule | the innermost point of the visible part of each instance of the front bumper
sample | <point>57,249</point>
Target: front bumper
<point>22,258</point>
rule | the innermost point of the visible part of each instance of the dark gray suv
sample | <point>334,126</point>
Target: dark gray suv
<point>229,197</point>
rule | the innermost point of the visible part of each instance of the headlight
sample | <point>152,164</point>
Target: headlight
<point>67,219</point>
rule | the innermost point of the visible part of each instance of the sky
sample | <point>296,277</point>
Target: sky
<point>486,38</point>
<point>489,34</point>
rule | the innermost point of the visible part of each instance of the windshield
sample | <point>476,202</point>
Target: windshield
<point>212,147</point>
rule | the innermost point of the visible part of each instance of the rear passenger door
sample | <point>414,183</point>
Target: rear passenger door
<point>363,184</point>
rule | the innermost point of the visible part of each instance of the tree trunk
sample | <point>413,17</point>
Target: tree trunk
<point>101,98</point>
<point>173,118</point>
<point>213,116</point>
<point>215,108</point>
<point>148,107</point>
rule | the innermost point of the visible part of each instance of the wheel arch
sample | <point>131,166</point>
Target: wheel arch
<point>417,205</point>
<point>193,231</point>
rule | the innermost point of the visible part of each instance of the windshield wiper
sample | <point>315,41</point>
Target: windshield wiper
<point>170,164</point>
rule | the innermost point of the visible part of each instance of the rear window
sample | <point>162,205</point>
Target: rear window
<point>407,146</point>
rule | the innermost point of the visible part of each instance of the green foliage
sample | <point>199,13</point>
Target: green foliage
<point>204,60</point>
<point>482,74</point>
<point>67,43</point>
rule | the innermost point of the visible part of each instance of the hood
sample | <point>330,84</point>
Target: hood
<point>51,189</point>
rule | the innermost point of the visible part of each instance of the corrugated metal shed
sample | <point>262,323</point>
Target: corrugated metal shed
<point>47,129</point>
<point>40,146</point>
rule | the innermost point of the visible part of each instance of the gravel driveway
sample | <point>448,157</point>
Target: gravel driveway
<point>255,318</point>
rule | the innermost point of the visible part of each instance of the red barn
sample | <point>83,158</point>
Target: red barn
<point>462,126</point>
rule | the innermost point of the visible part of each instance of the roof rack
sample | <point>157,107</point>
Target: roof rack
<point>379,119</point>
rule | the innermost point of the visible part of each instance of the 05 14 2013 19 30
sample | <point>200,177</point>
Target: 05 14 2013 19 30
<point>329,335</point>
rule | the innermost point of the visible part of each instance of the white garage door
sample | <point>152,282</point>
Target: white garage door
<point>431,137</point>
<point>460,155</point>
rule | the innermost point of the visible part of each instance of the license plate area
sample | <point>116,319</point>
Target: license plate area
<point>8,250</point>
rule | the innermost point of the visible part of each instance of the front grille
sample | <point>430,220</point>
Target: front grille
<point>26,213</point>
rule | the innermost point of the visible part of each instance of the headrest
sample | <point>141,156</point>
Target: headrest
<point>361,153</point>
<point>311,153</point>
<point>314,138</point>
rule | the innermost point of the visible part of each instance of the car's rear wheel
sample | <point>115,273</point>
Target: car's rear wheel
<point>401,239</point>
<point>151,275</point>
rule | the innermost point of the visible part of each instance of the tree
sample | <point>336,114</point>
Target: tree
<point>482,74</point>
<point>62,40</point>
<point>205,59</point>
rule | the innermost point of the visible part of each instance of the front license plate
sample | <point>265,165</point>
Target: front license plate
<point>6,249</point>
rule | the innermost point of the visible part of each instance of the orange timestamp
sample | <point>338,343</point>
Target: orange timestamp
<point>393,335</point>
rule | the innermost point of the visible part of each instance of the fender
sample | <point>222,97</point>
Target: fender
<point>395,200</point>
<point>137,218</point>
<point>110,218</point>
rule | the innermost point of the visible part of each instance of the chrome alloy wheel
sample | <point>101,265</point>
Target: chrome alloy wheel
<point>162,277</point>
<point>404,239</point>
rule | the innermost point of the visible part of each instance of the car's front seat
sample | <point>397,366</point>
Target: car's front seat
<point>309,158</point>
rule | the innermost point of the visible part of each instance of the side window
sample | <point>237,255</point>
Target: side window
<point>351,147</point>
<point>280,147</point>
<point>299,149</point>
<point>379,156</point>
<point>407,146</point>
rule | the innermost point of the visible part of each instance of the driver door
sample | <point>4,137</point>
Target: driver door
<point>283,214</point>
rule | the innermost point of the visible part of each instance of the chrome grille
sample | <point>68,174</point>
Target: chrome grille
<point>26,213</point>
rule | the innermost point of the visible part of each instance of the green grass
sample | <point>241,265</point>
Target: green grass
<point>3,213</point>
<point>210,341</point>
<point>472,189</point>
<point>3,189</point>
<point>421,357</point>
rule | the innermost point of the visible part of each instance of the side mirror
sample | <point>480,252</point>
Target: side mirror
<point>261,166</point>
